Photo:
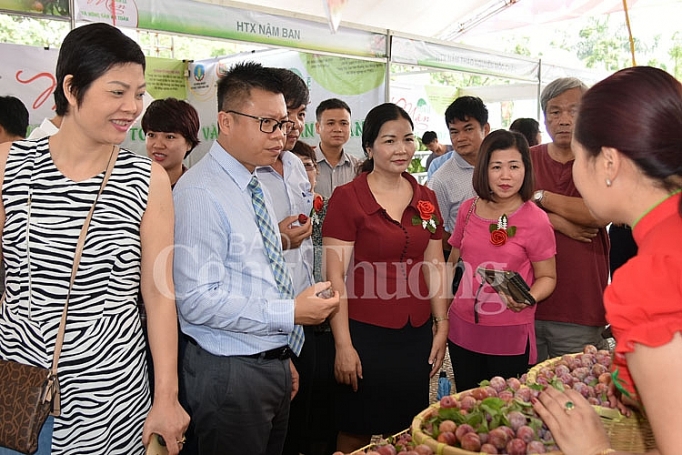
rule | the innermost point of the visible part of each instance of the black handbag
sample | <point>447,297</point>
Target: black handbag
<point>459,273</point>
<point>459,266</point>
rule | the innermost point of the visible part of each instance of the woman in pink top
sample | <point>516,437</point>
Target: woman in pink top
<point>491,334</point>
<point>629,170</point>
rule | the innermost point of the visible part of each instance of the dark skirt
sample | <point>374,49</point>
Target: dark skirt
<point>395,384</point>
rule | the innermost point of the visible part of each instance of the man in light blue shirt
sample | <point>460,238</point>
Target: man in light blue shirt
<point>436,163</point>
<point>431,142</point>
<point>237,370</point>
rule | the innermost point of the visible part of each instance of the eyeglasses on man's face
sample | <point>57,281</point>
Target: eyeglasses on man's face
<point>268,125</point>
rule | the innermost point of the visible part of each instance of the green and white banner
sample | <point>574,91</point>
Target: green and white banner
<point>458,58</point>
<point>166,78</point>
<point>217,21</point>
<point>359,83</point>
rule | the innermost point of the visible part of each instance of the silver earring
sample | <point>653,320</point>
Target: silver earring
<point>608,182</point>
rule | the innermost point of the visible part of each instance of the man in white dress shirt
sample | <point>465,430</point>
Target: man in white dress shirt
<point>49,127</point>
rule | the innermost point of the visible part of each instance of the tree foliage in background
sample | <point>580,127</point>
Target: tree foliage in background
<point>675,53</point>
<point>599,43</point>
<point>32,31</point>
<point>521,47</point>
<point>601,48</point>
<point>36,31</point>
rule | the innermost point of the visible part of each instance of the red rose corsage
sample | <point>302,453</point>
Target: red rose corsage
<point>427,216</point>
<point>499,231</point>
<point>318,205</point>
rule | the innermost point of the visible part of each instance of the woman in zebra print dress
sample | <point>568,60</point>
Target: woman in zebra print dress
<point>48,187</point>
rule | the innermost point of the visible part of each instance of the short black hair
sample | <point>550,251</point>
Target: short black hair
<point>502,140</point>
<point>295,90</point>
<point>87,53</point>
<point>466,107</point>
<point>234,87</point>
<point>171,115</point>
<point>13,116</point>
<point>429,137</point>
<point>300,148</point>
<point>331,103</point>
<point>527,126</point>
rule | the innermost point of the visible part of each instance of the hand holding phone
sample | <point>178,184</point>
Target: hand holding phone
<point>509,283</point>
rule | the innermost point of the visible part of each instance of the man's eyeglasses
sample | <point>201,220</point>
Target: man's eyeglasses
<point>268,125</point>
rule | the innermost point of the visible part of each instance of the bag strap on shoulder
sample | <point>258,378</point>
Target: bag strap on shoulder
<point>471,209</point>
<point>56,404</point>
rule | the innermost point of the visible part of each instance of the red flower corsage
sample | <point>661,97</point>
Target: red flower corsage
<point>318,205</point>
<point>427,216</point>
<point>499,231</point>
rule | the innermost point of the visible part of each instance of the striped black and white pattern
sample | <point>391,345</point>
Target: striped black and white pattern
<point>102,369</point>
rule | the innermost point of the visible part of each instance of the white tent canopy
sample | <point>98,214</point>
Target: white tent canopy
<point>381,32</point>
<point>442,19</point>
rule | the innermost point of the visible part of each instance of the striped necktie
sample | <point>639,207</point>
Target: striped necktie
<point>274,252</point>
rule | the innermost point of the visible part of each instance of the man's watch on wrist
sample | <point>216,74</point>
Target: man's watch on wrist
<point>538,196</point>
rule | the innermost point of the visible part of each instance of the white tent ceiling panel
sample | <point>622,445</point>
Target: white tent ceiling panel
<point>446,19</point>
<point>426,18</point>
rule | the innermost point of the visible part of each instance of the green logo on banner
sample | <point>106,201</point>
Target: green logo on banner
<point>344,76</point>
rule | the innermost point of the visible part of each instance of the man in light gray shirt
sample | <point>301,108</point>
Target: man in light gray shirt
<point>337,167</point>
<point>288,185</point>
<point>467,120</point>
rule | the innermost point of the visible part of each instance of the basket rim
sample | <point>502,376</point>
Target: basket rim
<point>361,450</point>
<point>632,434</point>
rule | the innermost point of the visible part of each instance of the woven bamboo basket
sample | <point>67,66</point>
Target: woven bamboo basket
<point>627,434</point>
<point>439,448</point>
